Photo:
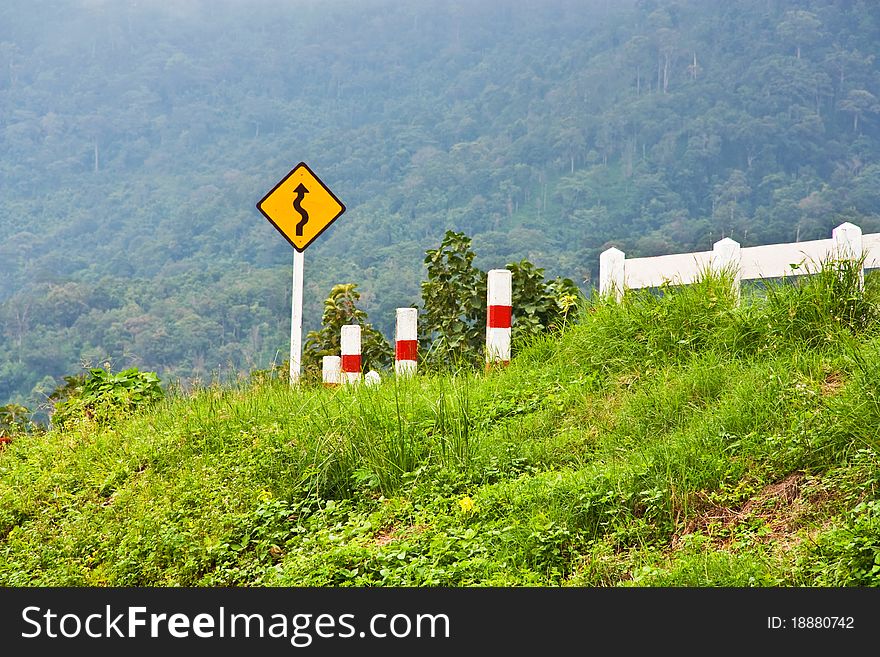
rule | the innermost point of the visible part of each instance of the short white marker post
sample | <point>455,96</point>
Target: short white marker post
<point>727,258</point>
<point>351,353</point>
<point>406,342</point>
<point>847,240</point>
<point>372,378</point>
<point>499,312</point>
<point>331,370</point>
<point>612,273</point>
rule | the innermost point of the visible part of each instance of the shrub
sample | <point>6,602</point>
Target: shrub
<point>102,396</point>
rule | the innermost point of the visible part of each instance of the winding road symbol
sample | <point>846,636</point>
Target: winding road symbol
<point>300,192</point>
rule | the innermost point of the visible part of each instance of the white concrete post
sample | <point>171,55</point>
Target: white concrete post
<point>499,314</point>
<point>727,257</point>
<point>296,318</point>
<point>331,369</point>
<point>612,273</point>
<point>406,342</point>
<point>351,353</point>
<point>372,378</point>
<point>847,240</point>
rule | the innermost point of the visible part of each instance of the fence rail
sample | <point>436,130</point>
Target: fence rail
<point>618,273</point>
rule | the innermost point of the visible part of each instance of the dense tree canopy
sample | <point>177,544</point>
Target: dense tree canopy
<point>135,139</point>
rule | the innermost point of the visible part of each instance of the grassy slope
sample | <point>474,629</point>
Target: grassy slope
<point>674,440</point>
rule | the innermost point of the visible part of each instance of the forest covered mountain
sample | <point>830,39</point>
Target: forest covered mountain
<point>136,138</point>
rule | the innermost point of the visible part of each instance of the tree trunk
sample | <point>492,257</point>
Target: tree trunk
<point>21,320</point>
<point>659,73</point>
<point>665,72</point>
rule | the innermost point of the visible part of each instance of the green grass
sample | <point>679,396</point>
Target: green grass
<point>675,439</point>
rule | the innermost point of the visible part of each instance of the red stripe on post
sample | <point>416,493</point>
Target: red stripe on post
<point>407,350</point>
<point>499,316</point>
<point>351,363</point>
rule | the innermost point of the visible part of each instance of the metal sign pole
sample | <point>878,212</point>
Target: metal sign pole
<point>296,314</point>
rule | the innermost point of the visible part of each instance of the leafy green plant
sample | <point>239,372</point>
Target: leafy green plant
<point>15,418</point>
<point>540,305</point>
<point>454,299</point>
<point>848,555</point>
<point>103,396</point>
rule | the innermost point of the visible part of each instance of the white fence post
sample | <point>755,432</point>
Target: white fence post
<point>331,367</point>
<point>847,240</point>
<point>612,273</point>
<point>499,311</point>
<point>727,257</point>
<point>351,353</point>
<point>406,343</point>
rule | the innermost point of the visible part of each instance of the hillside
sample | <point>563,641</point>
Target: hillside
<point>673,440</point>
<point>135,139</point>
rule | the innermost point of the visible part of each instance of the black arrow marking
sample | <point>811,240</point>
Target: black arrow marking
<point>301,191</point>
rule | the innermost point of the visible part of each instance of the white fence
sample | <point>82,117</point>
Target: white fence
<point>617,272</point>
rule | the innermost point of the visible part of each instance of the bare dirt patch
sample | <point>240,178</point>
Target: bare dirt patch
<point>832,383</point>
<point>395,534</point>
<point>779,507</point>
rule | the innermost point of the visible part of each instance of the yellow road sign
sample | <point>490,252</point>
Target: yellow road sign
<point>301,207</point>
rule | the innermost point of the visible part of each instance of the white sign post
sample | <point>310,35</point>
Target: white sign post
<point>296,318</point>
